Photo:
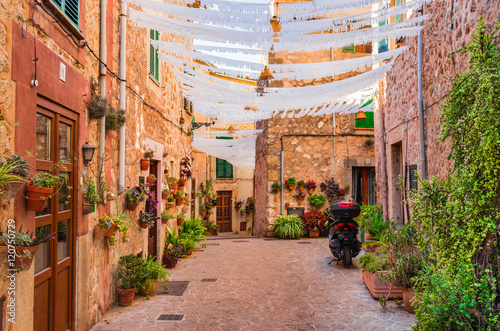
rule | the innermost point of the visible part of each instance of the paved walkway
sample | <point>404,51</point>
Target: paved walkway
<point>262,285</point>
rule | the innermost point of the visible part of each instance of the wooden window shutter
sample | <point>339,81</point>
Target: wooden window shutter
<point>223,169</point>
<point>154,60</point>
<point>70,9</point>
<point>398,17</point>
<point>367,123</point>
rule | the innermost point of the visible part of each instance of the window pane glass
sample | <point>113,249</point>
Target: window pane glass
<point>64,142</point>
<point>46,210</point>
<point>43,134</point>
<point>42,256</point>
<point>65,195</point>
<point>62,240</point>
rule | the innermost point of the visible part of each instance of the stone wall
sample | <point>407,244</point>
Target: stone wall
<point>397,124</point>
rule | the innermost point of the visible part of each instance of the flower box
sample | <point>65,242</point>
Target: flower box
<point>378,287</point>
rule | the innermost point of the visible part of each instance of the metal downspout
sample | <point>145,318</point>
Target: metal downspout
<point>123,100</point>
<point>102,79</point>
<point>423,157</point>
<point>333,126</point>
<point>282,159</point>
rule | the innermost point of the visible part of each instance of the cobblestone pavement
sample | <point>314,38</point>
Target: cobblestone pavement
<point>262,285</point>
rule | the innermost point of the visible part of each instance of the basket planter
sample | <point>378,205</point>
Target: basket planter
<point>291,187</point>
<point>132,207</point>
<point>11,190</point>
<point>243,226</point>
<point>151,180</point>
<point>179,201</point>
<point>24,262</point>
<point>378,288</point>
<point>299,201</point>
<point>87,208</point>
<point>149,290</point>
<point>145,164</point>
<point>125,297</point>
<point>180,221</point>
<point>314,233</point>
<point>37,197</point>
<point>101,233</point>
<point>408,295</point>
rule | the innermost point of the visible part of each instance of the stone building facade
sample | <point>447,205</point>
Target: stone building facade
<point>397,137</point>
<point>72,280</point>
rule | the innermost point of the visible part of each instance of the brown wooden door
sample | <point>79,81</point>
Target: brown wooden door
<point>54,262</point>
<point>153,170</point>
<point>363,189</point>
<point>224,211</point>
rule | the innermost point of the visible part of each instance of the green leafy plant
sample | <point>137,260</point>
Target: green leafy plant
<point>129,270</point>
<point>166,216</point>
<point>288,227</point>
<point>316,200</point>
<point>299,195</point>
<point>26,239</point>
<point>135,195</point>
<point>210,226</point>
<point>172,181</point>
<point>149,154</point>
<point>276,186</point>
<point>19,165</point>
<point>290,181</point>
<point>170,198</point>
<point>150,271</point>
<point>46,179</point>
<point>250,205</point>
<point>90,194</point>
<point>11,172</point>
<point>375,261</point>
<point>115,119</point>
<point>147,218</point>
<point>193,230</point>
<point>375,225</point>
<point>301,183</point>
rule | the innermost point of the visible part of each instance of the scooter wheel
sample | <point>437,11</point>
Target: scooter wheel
<point>347,256</point>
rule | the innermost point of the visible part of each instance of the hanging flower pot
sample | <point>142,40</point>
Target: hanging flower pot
<point>287,205</point>
<point>37,197</point>
<point>165,195</point>
<point>179,202</point>
<point>132,207</point>
<point>174,188</point>
<point>101,233</point>
<point>299,201</point>
<point>151,179</point>
<point>87,208</point>
<point>24,257</point>
<point>323,186</point>
<point>291,187</point>
<point>180,221</point>
<point>145,164</point>
<point>311,190</point>
<point>301,188</point>
<point>182,182</point>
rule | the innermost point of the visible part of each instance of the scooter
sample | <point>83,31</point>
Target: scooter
<point>343,231</point>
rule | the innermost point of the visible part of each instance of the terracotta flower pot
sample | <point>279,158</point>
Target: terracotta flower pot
<point>37,197</point>
<point>149,290</point>
<point>174,188</point>
<point>145,164</point>
<point>164,195</point>
<point>311,190</point>
<point>299,201</point>
<point>408,295</point>
<point>314,233</point>
<point>179,201</point>
<point>291,187</point>
<point>323,187</point>
<point>164,220</point>
<point>287,205</point>
<point>168,264</point>
<point>182,182</point>
<point>378,288</point>
<point>301,188</point>
<point>24,262</point>
<point>125,297</point>
<point>189,251</point>
<point>104,233</point>
<point>11,190</point>
<point>131,207</point>
<point>151,180</point>
<point>180,221</point>
<point>143,225</point>
<point>87,208</point>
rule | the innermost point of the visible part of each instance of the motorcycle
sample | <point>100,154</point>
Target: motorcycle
<point>343,231</point>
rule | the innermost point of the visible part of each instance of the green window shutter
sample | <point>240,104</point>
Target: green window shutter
<point>367,123</point>
<point>223,169</point>
<point>154,61</point>
<point>71,9</point>
<point>349,49</point>
<point>398,17</point>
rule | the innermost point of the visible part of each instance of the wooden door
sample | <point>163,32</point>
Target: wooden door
<point>363,189</point>
<point>153,170</point>
<point>224,211</point>
<point>54,262</point>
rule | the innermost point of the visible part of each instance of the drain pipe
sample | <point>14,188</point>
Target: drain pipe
<point>423,157</point>
<point>123,100</point>
<point>282,159</point>
<point>102,80</point>
<point>333,124</point>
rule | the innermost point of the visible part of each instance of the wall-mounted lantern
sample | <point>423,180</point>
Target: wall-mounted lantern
<point>88,152</point>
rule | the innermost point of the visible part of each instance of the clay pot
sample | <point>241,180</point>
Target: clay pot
<point>167,262</point>
<point>408,295</point>
<point>323,187</point>
<point>291,187</point>
<point>180,221</point>
<point>35,195</point>
<point>11,190</point>
<point>189,251</point>
<point>311,190</point>
<point>24,263</point>
<point>87,208</point>
<point>164,195</point>
<point>301,188</point>
<point>145,164</point>
<point>164,220</point>
<point>143,225</point>
<point>287,205</point>
<point>182,182</point>
<point>314,233</point>
<point>104,233</point>
<point>125,297</point>
<point>132,207</point>
<point>299,201</point>
<point>174,188</point>
<point>378,288</point>
<point>149,290</point>
<point>151,180</point>
<point>179,201</point>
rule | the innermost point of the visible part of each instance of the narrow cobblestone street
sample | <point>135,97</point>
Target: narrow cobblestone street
<point>262,284</point>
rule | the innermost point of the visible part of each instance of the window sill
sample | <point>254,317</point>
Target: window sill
<point>64,20</point>
<point>365,129</point>
<point>154,80</point>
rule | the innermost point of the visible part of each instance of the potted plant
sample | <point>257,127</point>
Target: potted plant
<point>171,255</point>
<point>290,183</point>
<point>300,196</point>
<point>41,187</point>
<point>192,232</point>
<point>288,227</point>
<point>148,155</point>
<point>323,187</point>
<point>276,187</point>
<point>90,195</point>
<point>333,189</point>
<point>150,274</point>
<point>180,218</point>
<point>129,268</point>
<point>147,220</point>
<point>210,227</point>
<point>301,184</point>
<point>250,206</point>
<point>165,217</point>
<point>314,222</point>
<point>316,200</point>
<point>179,198</point>
<point>151,179</point>
<point>165,193</point>
<point>25,245</point>
<point>203,211</point>
<point>14,171</point>
<point>105,227</point>
<point>287,205</point>
<point>185,170</point>
<point>170,201</point>
<point>134,196</point>
<point>173,184</point>
<point>311,185</point>
<point>375,227</point>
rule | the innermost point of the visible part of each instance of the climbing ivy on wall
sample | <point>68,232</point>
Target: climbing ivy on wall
<point>459,217</point>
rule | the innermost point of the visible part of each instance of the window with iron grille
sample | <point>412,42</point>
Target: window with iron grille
<point>223,169</point>
<point>412,174</point>
<point>154,61</point>
<point>70,9</point>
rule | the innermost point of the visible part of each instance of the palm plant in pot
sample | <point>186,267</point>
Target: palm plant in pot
<point>129,268</point>
<point>192,230</point>
<point>25,245</point>
<point>148,155</point>
<point>14,171</point>
<point>150,274</point>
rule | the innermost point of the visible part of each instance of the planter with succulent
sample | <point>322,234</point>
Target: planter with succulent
<point>128,271</point>
<point>180,218</point>
<point>147,220</point>
<point>134,196</point>
<point>24,245</point>
<point>314,222</point>
<point>185,170</point>
<point>290,183</point>
<point>151,179</point>
<point>41,187</point>
<point>146,161</point>
<point>14,171</point>
<point>165,217</point>
<point>316,200</point>
<point>301,185</point>
<point>165,193</point>
<point>375,264</point>
<point>105,228</point>
<point>311,185</point>
<point>149,275</point>
<point>276,187</point>
<point>300,196</point>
